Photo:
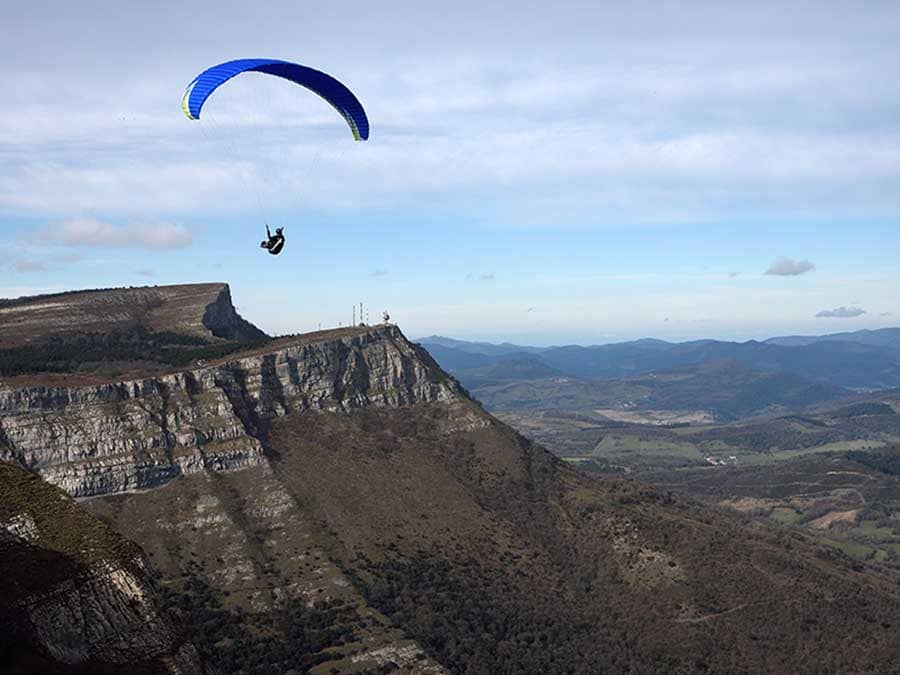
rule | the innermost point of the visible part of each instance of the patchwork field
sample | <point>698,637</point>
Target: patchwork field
<point>847,500</point>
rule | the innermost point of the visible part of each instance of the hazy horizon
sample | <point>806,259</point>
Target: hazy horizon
<point>583,343</point>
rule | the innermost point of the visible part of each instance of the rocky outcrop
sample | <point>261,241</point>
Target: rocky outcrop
<point>75,594</point>
<point>105,616</point>
<point>103,439</point>
<point>222,320</point>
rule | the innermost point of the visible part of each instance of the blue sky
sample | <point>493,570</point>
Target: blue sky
<point>537,172</point>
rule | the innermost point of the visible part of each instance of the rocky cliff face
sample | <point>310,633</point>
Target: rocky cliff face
<point>73,594</point>
<point>140,434</point>
<point>222,320</point>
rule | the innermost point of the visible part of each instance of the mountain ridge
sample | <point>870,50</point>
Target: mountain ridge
<point>200,310</point>
<point>884,337</point>
<point>854,365</point>
<point>865,336</point>
<point>388,521</point>
<point>206,416</point>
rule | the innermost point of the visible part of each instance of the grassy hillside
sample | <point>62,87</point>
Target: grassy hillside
<point>497,557</point>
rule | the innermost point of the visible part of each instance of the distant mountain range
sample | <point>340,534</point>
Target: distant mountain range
<point>883,337</point>
<point>484,348</point>
<point>860,360</point>
<point>728,379</point>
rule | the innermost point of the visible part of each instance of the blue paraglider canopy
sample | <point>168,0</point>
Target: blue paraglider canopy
<point>339,96</point>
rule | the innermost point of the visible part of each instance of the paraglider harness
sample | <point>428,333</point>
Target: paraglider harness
<point>275,242</point>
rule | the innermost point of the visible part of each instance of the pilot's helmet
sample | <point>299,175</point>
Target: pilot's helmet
<point>278,230</point>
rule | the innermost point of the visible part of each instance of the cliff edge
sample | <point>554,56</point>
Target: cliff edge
<point>138,434</point>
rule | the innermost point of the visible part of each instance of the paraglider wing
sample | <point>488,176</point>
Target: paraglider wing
<point>341,98</point>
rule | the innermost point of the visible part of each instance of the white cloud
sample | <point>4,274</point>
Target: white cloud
<point>841,313</point>
<point>618,170</point>
<point>92,232</point>
<point>788,267</point>
<point>538,115</point>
